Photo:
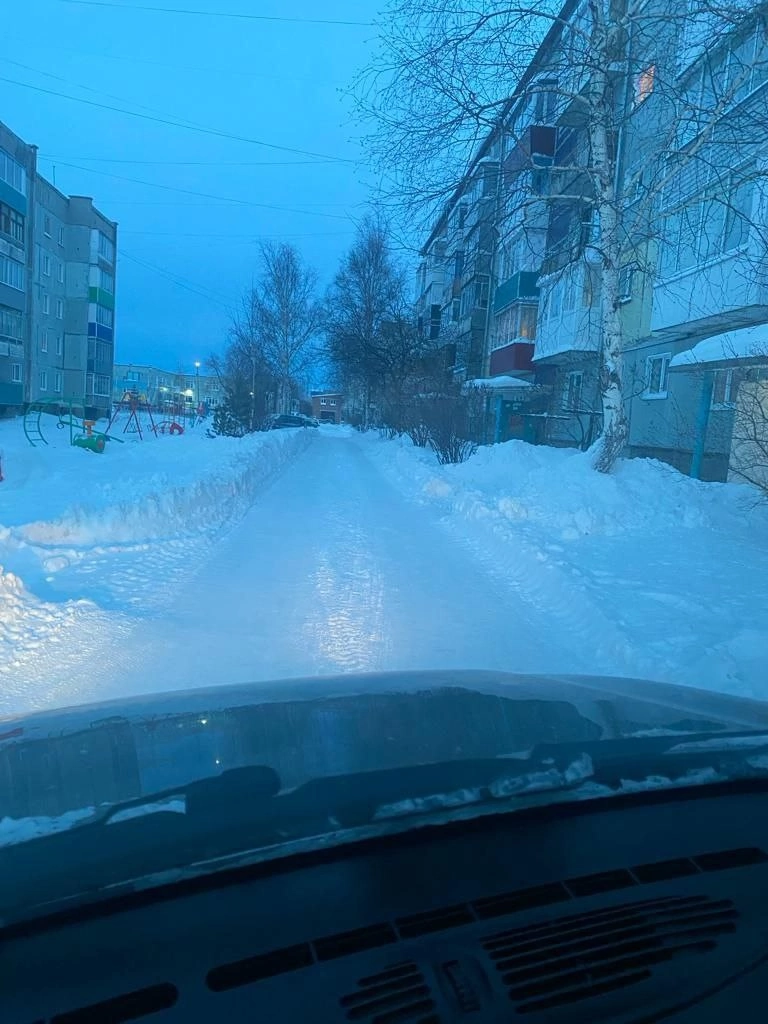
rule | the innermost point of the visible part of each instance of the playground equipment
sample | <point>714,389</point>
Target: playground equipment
<point>69,414</point>
<point>135,406</point>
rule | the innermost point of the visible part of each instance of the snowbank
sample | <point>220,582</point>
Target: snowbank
<point>663,576</point>
<point>82,534</point>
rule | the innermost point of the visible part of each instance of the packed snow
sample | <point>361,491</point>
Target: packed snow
<point>185,561</point>
<point>748,343</point>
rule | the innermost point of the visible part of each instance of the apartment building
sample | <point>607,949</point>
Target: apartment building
<point>166,389</point>
<point>57,289</point>
<point>688,143</point>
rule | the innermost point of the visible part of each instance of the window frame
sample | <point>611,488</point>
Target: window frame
<point>59,309</point>
<point>570,392</point>
<point>730,388</point>
<point>58,382</point>
<point>663,392</point>
<point>17,378</point>
<point>626,291</point>
<point>42,380</point>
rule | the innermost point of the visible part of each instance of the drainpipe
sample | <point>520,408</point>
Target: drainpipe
<point>702,421</point>
<point>493,255</point>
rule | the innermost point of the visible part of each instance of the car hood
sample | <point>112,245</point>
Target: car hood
<point>54,763</point>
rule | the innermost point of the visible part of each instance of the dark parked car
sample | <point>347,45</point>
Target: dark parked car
<point>291,420</point>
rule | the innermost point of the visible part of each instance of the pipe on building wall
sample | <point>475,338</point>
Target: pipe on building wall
<point>702,422</point>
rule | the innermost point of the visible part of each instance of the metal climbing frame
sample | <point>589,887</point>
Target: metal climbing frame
<point>33,430</point>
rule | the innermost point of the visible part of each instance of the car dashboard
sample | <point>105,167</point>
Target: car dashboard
<point>635,908</point>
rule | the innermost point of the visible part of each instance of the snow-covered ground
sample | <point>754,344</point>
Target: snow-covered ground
<point>90,545</point>
<point>187,561</point>
<point>659,575</point>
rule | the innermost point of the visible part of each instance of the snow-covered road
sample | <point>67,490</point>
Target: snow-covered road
<point>332,570</point>
<point>308,553</point>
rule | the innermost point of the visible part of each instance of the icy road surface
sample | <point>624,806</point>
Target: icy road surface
<point>319,552</point>
<point>332,570</point>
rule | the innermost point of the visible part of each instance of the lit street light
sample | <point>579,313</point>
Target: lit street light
<point>197,381</point>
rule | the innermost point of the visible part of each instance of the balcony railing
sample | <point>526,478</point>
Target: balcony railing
<point>521,287</point>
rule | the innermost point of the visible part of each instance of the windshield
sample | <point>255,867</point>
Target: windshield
<point>361,341</point>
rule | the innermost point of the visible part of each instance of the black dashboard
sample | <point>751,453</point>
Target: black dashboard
<point>644,908</point>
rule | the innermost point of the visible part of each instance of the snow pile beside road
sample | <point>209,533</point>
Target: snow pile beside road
<point>662,575</point>
<point>83,536</point>
<point>138,491</point>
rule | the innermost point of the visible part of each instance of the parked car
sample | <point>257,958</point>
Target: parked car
<point>291,420</point>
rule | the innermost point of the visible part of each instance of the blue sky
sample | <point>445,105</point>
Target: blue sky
<point>185,259</point>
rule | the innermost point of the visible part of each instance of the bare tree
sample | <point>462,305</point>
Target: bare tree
<point>365,315</point>
<point>650,126</point>
<point>284,315</point>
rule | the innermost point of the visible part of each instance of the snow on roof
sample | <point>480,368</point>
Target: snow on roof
<point>748,343</point>
<point>498,383</point>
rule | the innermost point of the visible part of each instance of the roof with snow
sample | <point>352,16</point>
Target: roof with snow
<point>500,383</point>
<point>750,343</point>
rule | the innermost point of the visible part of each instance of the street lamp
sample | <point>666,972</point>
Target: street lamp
<point>197,381</point>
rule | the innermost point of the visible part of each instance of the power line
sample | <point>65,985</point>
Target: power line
<point>218,14</point>
<point>191,163</point>
<point>181,282</point>
<point>235,71</point>
<point>177,124</point>
<point>203,195</point>
<point>251,236</point>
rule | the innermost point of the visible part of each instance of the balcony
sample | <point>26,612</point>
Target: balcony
<point>534,148</point>
<point>521,287</point>
<point>515,357</point>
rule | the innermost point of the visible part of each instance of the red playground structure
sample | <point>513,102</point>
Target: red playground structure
<point>137,409</point>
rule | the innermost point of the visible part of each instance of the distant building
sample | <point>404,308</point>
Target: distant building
<point>166,389</point>
<point>328,406</point>
<point>57,289</point>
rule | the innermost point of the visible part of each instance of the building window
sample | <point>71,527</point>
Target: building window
<point>47,226</point>
<point>12,223</point>
<point>656,371</point>
<point>332,401</point>
<point>527,325</point>
<point>46,304</point>
<point>16,373</point>
<point>626,279</point>
<point>572,392</point>
<point>59,309</point>
<point>644,83</point>
<point>57,382</point>
<point>46,265</point>
<point>11,324</point>
<point>44,340</point>
<point>101,384</point>
<point>59,345</point>
<point>60,272</point>
<point>106,248</point>
<point>12,172</point>
<point>725,388</point>
<point>12,273</point>
<point>106,281</point>
<point>556,301</point>
<point>43,380</point>
<point>105,316</point>
<point>323,401</point>
<point>61,236</point>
